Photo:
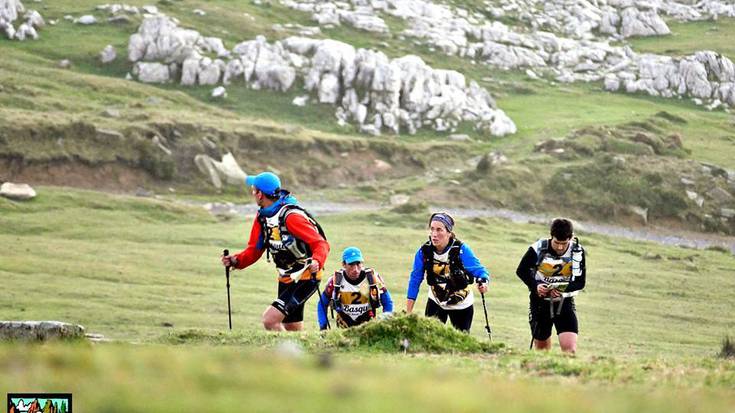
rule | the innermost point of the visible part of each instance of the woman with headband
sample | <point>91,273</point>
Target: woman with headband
<point>450,268</point>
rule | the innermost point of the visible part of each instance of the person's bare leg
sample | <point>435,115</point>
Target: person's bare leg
<point>542,344</point>
<point>273,319</point>
<point>568,342</point>
<point>297,326</point>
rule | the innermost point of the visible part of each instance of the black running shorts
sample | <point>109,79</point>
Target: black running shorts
<point>461,319</point>
<point>292,297</point>
<point>541,321</point>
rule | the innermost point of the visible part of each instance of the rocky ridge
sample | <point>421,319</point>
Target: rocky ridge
<point>10,12</point>
<point>569,40</point>
<point>375,92</point>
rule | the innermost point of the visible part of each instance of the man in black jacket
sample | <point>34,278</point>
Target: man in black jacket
<point>554,271</point>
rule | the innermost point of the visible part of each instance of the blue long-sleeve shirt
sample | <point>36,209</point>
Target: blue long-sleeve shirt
<point>321,312</point>
<point>469,260</point>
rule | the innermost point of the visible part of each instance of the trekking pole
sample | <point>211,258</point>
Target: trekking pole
<point>321,302</point>
<point>533,333</point>
<point>227,275</point>
<point>487,323</point>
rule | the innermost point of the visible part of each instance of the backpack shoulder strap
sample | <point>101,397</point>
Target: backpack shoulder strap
<point>370,275</point>
<point>266,236</point>
<point>291,208</point>
<point>338,277</point>
<point>374,291</point>
<point>454,251</point>
<point>542,250</point>
<point>428,252</point>
<point>575,246</point>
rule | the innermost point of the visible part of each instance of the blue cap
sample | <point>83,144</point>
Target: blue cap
<point>265,182</point>
<point>352,255</point>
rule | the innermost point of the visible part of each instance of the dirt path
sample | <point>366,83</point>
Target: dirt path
<point>654,234</point>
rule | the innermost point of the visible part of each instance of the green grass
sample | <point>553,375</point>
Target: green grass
<point>159,379</point>
<point>540,110</point>
<point>122,266</point>
<point>40,103</point>
<point>689,37</point>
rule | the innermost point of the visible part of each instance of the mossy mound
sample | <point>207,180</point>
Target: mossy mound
<point>413,333</point>
<point>402,333</point>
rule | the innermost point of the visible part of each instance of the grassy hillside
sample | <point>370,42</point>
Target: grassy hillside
<point>160,379</point>
<point>651,325</point>
<point>689,37</point>
<point>124,266</point>
<point>41,103</point>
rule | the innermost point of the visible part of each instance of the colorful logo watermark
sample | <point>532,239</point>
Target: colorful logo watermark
<point>39,403</point>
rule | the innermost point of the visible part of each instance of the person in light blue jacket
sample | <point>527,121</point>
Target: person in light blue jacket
<point>450,268</point>
<point>355,293</point>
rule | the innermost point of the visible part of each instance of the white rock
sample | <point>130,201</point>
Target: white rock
<point>108,54</point>
<point>86,19</point>
<point>459,138</point>
<point>34,19</point>
<point>210,71</point>
<point>227,169</point>
<point>26,31</point>
<point>399,199</point>
<point>151,72</point>
<point>150,9</point>
<point>219,92</point>
<point>329,88</point>
<point>300,100</point>
<point>35,331</point>
<point>20,192</point>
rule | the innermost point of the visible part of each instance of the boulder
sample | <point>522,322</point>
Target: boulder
<point>399,199</point>
<point>329,88</point>
<point>34,19</point>
<point>300,100</point>
<point>111,113</point>
<point>217,171</point>
<point>205,164</point>
<point>720,195</point>
<point>698,199</point>
<point>40,331</point>
<point>108,54</point>
<point>150,9</point>
<point>219,92</point>
<point>459,138</point>
<point>381,165</point>
<point>19,192</point>
<point>10,9</point>
<point>26,31</point>
<point>151,72</point>
<point>635,22</point>
<point>119,19</point>
<point>86,20</point>
<point>640,213</point>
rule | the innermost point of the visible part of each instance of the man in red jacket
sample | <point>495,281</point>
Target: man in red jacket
<point>295,242</point>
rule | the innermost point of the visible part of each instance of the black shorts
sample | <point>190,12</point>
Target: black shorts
<point>292,297</point>
<point>345,321</point>
<point>539,317</point>
<point>461,319</point>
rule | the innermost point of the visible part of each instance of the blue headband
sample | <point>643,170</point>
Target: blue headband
<point>444,219</point>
